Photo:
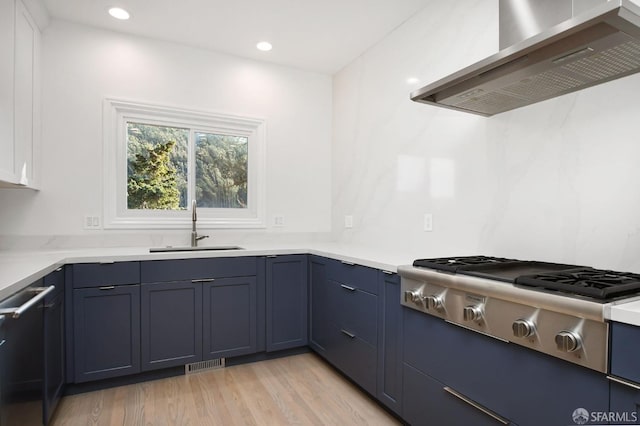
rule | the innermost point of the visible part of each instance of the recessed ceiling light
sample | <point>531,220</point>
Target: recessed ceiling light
<point>119,13</point>
<point>265,46</point>
<point>412,80</point>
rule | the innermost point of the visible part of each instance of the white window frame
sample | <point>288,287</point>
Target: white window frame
<point>116,114</point>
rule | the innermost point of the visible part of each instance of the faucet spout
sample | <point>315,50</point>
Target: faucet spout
<point>194,233</point>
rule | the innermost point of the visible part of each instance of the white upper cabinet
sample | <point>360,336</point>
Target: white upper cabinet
<point>7,14</point>
<point>20,125</point>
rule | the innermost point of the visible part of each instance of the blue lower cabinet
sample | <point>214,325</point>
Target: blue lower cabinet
<point>320,306</point>
<point>286,300</point>
<point>106,324</point>
<point>171,324</point>
<point>525,386</point>
<point>429,402</point>
<point>390,342</point>
<point>624,403</point>
<point>229,317</point>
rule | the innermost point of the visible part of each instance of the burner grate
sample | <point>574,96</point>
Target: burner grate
<point>453,264</point>
<point>601,284</point>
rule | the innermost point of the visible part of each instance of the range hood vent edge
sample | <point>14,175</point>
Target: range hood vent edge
<point>600,45</point>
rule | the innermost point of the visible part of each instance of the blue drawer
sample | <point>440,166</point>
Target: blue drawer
<point>356,276</point>
<point>192,269</point>
<point>105,274</point>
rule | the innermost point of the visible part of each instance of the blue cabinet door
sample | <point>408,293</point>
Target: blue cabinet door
<point>229,317</point>
<point>171,324</point>
<point>625,344</point>
<point>54,343</point>
<point>286,302</point>
<point>625,403</point>
<point>390,342</point>
<point>319,305</point>
<point>106,323</point>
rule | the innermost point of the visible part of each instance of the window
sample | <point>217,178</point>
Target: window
<point>159,159</point>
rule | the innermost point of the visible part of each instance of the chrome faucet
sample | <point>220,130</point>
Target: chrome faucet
<point>194,234</point>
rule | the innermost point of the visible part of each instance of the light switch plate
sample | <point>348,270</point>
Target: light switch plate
<point>348,221</point>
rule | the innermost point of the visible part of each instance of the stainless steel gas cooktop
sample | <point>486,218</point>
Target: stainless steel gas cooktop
<point>553,308</point>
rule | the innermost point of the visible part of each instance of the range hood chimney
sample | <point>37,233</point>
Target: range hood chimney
<point>578,49</point>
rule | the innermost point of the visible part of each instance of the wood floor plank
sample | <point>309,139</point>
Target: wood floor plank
<point>296,390</point>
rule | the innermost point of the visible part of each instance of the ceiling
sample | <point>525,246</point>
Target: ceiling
<point>315,35</point>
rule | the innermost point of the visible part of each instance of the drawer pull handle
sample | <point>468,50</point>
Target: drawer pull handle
<point>204,280</point>
<point>271,256</point>
<point>624,382</point>
<point>107,262</point>
<point>59,269</point>
<point>476,405</point>
<point>344,262</point>
<point>387,272</point>
<point>346,333</point>
<point>346,287</point>
<point>108,287</point>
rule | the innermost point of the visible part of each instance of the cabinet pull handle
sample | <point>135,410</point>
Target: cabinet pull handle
<point>59,269</point>
<point>476,405</point>
<point>624,382</point>
<point>346,333</point>
<point>346,287</point>
<point>344,262</point>
<point>107,287</point>
<point>107,262</point>
<point>272,255</point>
<point>203,280</point>
<point>387,272</point>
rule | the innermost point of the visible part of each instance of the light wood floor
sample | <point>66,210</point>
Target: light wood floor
<point>296,390</point>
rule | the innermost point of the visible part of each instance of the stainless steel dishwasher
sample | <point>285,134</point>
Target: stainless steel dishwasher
<point>21,356</point>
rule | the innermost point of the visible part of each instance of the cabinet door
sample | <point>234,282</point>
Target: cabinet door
<point>625,402</point>
<point>286,302</point>
<point>319,305</point>
<point>27,38</point>
<point>625,344</point>
<point>7,13</point>
<point>54,344</point>
<point>229,317</point>
<point>171,323</point>
<point>390,346</point>
<point>107,332</point>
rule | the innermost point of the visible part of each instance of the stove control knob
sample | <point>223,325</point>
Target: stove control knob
<point>568,341</point>
<point>414,296</point>
<point>523,328</point>
<point>435,302</point>
<point>472,313</point>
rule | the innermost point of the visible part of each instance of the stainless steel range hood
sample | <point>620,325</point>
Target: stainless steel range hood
<point>597,46</point>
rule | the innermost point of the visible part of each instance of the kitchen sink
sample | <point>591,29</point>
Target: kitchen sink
<point>188,248</point>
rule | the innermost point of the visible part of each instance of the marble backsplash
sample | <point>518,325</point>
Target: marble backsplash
<point>556,181</point>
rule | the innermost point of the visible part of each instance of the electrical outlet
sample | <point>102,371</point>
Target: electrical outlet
<point>278,221</point>
<point>348,221</point>
<point>92,222</point>
<point>428,222</point>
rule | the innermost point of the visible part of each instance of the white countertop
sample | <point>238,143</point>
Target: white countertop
<point>19,269</point>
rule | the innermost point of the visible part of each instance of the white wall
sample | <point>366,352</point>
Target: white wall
<point>82,66</point>
<point>556,181</point>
